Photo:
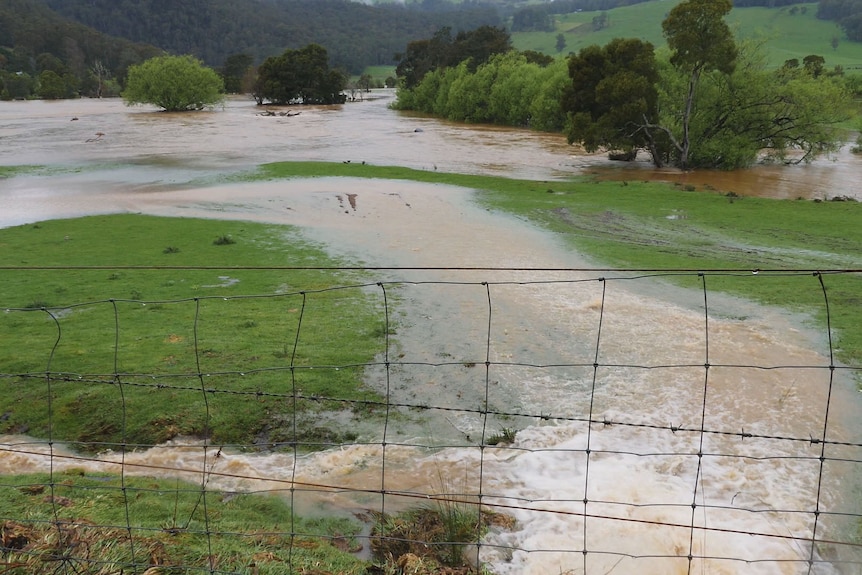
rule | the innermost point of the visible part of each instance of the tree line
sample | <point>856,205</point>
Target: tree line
<point>70,48</point>
<point>355,35</point>
<point>846,13</point>
<point>44,55</point>
<point>703,101</point>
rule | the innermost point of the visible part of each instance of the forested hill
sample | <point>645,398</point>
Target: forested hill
<point>354,34</point>
<point>29,29</point>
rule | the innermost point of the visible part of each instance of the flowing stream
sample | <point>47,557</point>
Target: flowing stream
<point>653,488</point>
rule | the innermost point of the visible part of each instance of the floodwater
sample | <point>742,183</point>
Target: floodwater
<point>643,345</point>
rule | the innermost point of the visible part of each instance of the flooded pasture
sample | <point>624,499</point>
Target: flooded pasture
<point>649,492</point>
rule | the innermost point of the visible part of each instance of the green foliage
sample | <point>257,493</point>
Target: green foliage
<point>532,18</point>
<point>35,40</point>
<point>847,13</point>
<point>16,86</point>
<point>561,43</point>
<point>53,86</point>
<point>508,90</point>
<point>611,91</point>
<point>300,76</point>
<point>786,115</point>
<point>234,72</point>
<point>174,83</point>
<point>442,51</point>
<point>505,436</point>
<point>698,36</point>
<point>354,33</point>
<point>224,240</point>
<point>700,41</point>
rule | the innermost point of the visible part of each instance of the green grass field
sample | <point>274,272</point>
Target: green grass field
<point>380,73</point>
<point>176,321</point>
<point>787,35</point>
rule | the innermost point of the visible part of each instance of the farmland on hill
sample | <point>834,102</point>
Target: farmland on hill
<point>788,33</point>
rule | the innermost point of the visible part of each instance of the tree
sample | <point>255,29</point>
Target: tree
<point>814,64</point>
<point>754,112</point>
<point>100,72</point>
<point>479,45</point>
<point>53,86</point>
<point>234,71</point>
<point>17,86</point>
<point>508,89</point>
<point>561,43</point>
<point>364,82</point>
<point>700,41</point>
<point>300,76</point>
<point>441,51</point>
<point>600,22</point>
<point>174,83</point>
<point>532,19</point>
<point>611,90</point>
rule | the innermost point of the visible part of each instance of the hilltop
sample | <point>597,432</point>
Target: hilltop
<point>789,31</point>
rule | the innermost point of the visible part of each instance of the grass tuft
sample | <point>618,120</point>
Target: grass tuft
<point>224,240</point>
<point>506,436</point>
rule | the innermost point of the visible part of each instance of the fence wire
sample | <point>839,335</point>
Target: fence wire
<point>593,421</point>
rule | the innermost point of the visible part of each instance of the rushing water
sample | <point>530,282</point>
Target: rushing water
<point>643,471</point>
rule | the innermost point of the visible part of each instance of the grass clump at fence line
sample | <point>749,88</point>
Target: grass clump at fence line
<point>438,538</point>
<point>77,523</point>
<point>648,225</point>
<point>130,351</point>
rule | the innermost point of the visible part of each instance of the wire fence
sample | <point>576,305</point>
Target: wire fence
<point>548,421</point>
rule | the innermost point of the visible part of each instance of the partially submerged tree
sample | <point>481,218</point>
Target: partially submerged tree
<point>612,90</point>
<point>755,112</point>
<point>174,83</point>
<point>707,102</point>
<point>234,71</point>
<point>700,41</point>
<point>300,76</point>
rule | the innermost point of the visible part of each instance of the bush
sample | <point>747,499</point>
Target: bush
<point>174,83</point>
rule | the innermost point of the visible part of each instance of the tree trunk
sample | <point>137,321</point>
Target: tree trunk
<point>686,118</point>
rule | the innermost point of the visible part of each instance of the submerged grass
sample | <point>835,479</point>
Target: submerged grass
<point>657,226</point>
<point>77,523</point>
<point>131,351</point>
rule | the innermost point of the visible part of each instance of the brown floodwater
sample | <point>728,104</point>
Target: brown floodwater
<point>770,371</point>
<point>132,150</point>
<point>826,178</point>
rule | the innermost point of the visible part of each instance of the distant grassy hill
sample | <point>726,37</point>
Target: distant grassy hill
<point>789,33</point>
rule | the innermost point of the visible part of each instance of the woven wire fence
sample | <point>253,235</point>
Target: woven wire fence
<point>577,421</point>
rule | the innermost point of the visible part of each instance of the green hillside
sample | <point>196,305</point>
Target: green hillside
<point>789,33</point>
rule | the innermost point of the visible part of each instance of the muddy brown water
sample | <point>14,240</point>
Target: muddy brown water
<point>171,165</point>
